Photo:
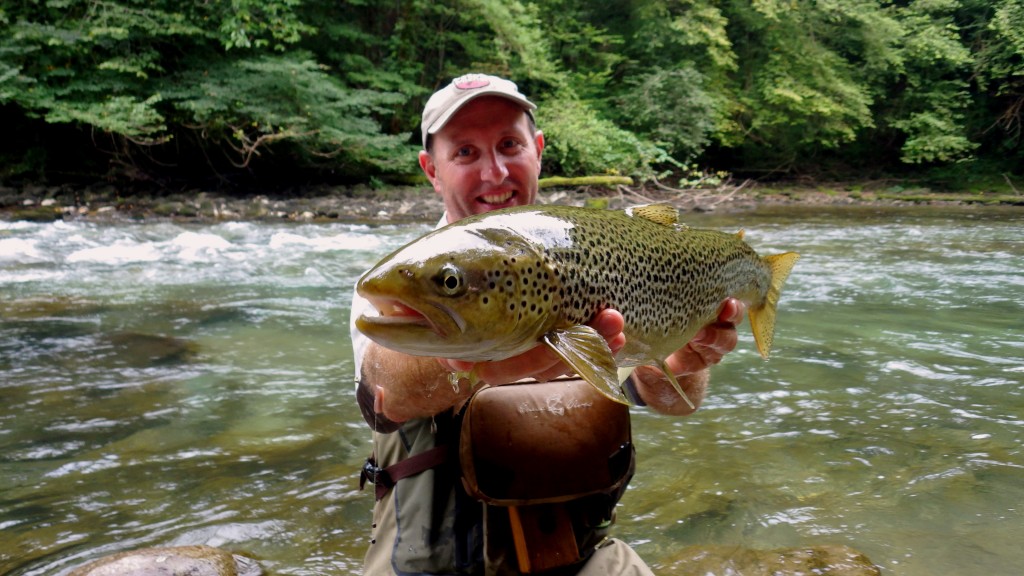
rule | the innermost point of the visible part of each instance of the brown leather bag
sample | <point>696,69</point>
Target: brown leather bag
<point>532,448</point>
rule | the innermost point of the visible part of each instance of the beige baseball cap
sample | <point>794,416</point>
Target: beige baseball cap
<point>447,101</point>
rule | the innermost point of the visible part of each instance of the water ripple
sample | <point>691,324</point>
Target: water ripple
<point>191,383</point>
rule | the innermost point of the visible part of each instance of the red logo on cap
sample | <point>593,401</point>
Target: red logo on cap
<point>471,83</point>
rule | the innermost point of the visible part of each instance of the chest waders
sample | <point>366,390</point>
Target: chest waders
<point>547,462</point>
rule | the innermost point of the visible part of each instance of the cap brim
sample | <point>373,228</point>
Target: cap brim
<point>443,119</point>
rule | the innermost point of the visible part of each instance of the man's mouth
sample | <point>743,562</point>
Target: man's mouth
<point>499,198</point>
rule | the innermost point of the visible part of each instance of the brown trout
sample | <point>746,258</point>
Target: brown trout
<point>492,286</point>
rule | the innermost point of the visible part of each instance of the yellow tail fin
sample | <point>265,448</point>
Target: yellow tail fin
<point>762,318</point>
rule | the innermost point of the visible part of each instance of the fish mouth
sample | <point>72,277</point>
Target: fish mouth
<point>394,314</point>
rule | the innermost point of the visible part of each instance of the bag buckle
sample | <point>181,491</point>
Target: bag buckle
<point>373,474</point>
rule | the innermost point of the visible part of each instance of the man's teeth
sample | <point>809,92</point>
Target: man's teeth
<point>497,198</point>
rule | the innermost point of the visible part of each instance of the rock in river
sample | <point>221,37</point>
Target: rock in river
<point>826,560</point>
<point>172,561</point>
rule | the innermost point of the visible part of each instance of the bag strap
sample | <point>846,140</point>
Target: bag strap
<point>385,479</point>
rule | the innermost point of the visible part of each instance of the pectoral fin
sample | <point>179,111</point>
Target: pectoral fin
<point>587,353</point>
<point>675,383</point>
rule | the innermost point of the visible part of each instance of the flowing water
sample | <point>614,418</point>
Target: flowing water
<point>165,383</point>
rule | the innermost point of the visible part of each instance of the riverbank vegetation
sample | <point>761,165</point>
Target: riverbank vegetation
<point>246,94</point>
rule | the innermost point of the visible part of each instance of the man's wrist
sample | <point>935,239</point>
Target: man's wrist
<point>630,391</point>
<point>653,387</point>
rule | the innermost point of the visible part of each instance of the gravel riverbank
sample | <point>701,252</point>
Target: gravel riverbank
<point>100,203</point>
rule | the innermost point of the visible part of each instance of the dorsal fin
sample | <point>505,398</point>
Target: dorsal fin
<point>664,214</point>
<point>740,233</point>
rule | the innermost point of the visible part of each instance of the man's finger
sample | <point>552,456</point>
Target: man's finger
<point>732,311</point>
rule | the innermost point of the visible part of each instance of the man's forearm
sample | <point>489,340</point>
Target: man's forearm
<point>366,398</point>
<point>400,387</point>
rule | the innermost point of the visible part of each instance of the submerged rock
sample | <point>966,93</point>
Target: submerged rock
<point>139,349</point>
<point>732,561</point>
<point>174,561</point>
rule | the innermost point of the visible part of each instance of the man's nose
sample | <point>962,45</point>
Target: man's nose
<point>494,169</point>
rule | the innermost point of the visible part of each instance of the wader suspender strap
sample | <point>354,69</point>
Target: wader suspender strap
<point>385,479</point>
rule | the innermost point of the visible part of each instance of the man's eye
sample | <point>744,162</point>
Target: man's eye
<point>464,152</point>
<point>509,143</point>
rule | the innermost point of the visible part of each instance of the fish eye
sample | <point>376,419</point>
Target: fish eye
<point>450,280</point>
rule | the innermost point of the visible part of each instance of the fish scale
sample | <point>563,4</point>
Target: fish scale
<point>494,285</point>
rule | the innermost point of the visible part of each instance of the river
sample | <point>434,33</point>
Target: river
<point>170,383</point>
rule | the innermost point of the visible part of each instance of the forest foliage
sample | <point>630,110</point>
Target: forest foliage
<point>292,91</point>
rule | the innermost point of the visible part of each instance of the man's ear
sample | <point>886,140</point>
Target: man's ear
<point>428,167</point>
<point>538,141</point>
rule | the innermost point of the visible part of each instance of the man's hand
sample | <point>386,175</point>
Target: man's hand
<point>712,343</point>
<point>690,364</point>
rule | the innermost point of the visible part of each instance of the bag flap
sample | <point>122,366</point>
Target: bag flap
<point>544,442</point>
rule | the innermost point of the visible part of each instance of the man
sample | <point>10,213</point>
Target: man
<point>482,151</point>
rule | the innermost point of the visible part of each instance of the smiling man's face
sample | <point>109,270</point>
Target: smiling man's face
<point>485,158</point>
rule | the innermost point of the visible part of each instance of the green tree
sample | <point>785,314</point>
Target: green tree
<point>240,90</point>
<point>581,118</point>
<point>797,92</point>
<point>996,33</point>
<point>228,77</point>
<point>675,88</point>
<point>587,143</point>
<point>247,105</point>
<point>930,106</point>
